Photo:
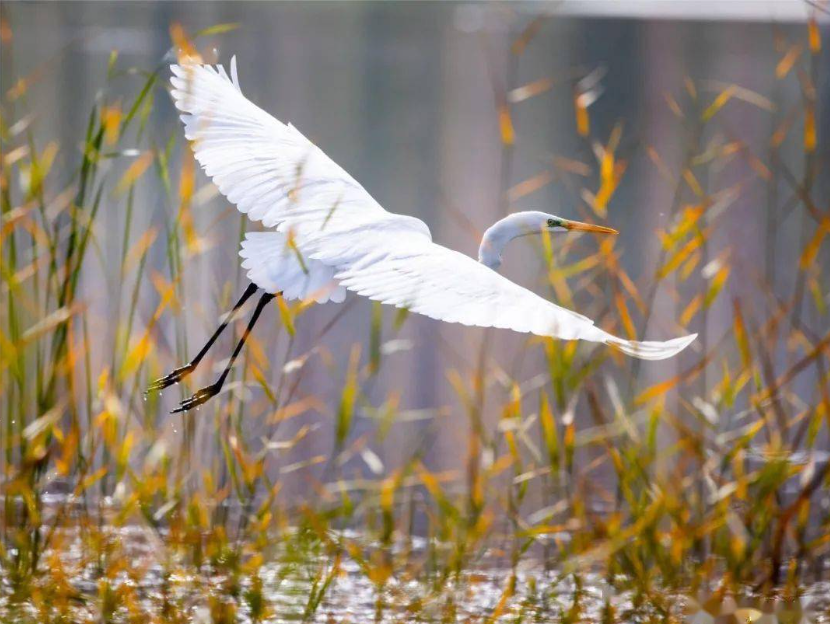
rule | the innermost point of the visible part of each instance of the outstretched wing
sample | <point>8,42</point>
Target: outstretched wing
<point>277,176</point>
<point>267,168</point>
<point>449,286</point>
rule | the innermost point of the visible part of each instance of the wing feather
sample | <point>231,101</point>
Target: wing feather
<point>277,176</point>
<point>446,285</point>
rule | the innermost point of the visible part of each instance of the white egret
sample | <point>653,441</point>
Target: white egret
<point>328,235</point>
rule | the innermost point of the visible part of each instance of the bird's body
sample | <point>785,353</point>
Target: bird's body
<point>328,235</point>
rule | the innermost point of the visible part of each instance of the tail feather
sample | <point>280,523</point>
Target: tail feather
<point>276,267</point>
<point>649,349</point>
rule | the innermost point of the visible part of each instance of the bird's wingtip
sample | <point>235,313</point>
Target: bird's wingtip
<point>651,350</point>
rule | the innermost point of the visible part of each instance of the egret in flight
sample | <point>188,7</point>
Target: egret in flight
<point>327,235</point>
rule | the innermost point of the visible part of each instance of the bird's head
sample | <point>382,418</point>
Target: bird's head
<point>552,223</point>
<point>523,224</point>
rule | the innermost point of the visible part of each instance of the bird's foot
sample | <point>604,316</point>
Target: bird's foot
<point>201,396</point>
<point>168,380</point>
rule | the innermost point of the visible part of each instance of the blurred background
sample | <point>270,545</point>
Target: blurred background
<point>457,114</point>
<point>697,129</point>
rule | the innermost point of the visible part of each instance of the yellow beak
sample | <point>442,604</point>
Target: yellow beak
<point>588,227</point>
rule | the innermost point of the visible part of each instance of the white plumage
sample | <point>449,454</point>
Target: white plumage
<point>275,265</point>
<point>329,234</point>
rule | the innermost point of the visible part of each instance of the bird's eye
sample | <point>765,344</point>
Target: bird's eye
<point>551,223</point>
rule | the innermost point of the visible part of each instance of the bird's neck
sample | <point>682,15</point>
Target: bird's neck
<point>497,236</point>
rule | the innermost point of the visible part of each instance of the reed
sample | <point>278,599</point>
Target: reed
<point>586,494</point>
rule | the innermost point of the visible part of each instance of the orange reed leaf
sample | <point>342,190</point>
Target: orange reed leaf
<point>691,89</point>
<point>218,29</point>
<point>531,185</point>
<point>787,61</point>
<point>716,286</point>
<point>814,36</point>
<point>139,248</point>
<point>532,89</point>
<point>134,172</point>
<point>813,246</point>
<point>718,103</point>
<point>631,289</point>
<point>781,131</point>
<point>680,255</point>
<point>691,180</point>
<point>810,128</point>
<point>297,408</point>
<point>674,107</point>
<point>184,46</point>
<point>658,390</point>
<point>625,317</point>
<point>660,164</point>
<point>531,30</point>
<point>571,166</point>
<point>111,119</point>
<point>508,134</point>
<point>691,309</point>
<point>583,124</point>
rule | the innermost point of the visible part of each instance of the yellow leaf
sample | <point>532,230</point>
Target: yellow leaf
<point>690,311</point>
<point>818,295</point>
<point>718,103</point>
<point>679,256</point>
<point>187,184</point>
<point>139,248</point>
<point>126,447</point>
<point>810,129</point>
<point>608,187</point>
<point>137,354</point>
<point>814,36</point>
<point>625,317</point>
<point>429,481</point>
<point>387,493</point>
<point>657,390</point>
<point>660,164</point>
<point>781,131</point>
<point>508,135</point>
<point>572,166</point>
<point>530,90</point>
<point>549,433</point>
<point>218,29</point>
<point>286,316</point>
<point>347,398</point>
<point>691,89</point>
<point>48,323</point>
<point>689,266</point>
<point>182,43</point>
<point>716,286</point>
<point>812,247</point>
<point>583,124</point>
<point>263,383</point>
<point>531,185</point>
<point>674,107</point>
<point>739,329</point>
<point>691,180</point>
<point>531,30</point>
<point>787,61</point>
<point>134,172</point>
<point>111,118</point>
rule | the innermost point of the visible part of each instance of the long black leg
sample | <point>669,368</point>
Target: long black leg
<point>206,393</point>
<point>180,373</point>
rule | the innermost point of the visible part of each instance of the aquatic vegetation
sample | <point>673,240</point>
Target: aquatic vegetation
<point>588,490</point>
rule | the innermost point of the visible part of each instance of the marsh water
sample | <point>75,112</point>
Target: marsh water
<point>532,589</point>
